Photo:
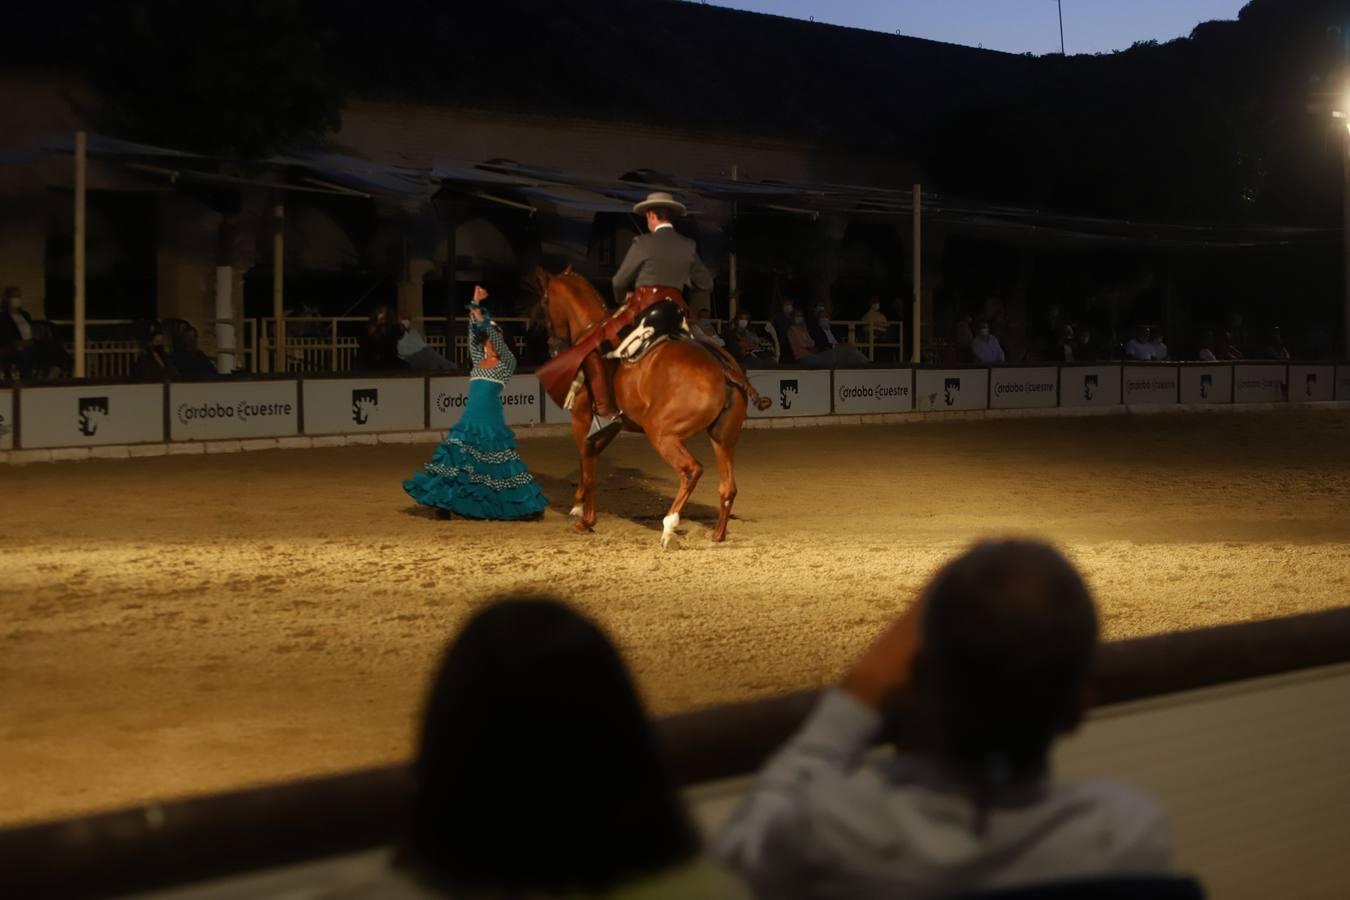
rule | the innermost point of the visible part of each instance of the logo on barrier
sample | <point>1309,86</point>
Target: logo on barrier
<point>1206,382</point>
<point>787,390</point>
<point>364,402</point>
<point>1310,384</point>
<point>92,410</point>
<point>243,411</point>
<point>1089,386</point>
<point>951,391</point>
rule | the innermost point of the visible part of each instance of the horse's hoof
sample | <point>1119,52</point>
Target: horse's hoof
<point>575,511</point>
<point>666,539</point>
<point>582,528</point>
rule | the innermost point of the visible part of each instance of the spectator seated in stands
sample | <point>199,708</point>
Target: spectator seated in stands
<point>782,324</point>
<point>378,349</point>
<point>875,325</point>
<point>188,358</point>
<point>964,335</point>
<point>1083,348</point>
<point>539,774</point>
<point>1206,353</point>
<point>413,350</point>
<point>1063,349</point>
<point>155,361</point>
<point>747,343</point>
<point>1224,348</point>
<point>984,347</point>
<point>802,345</point>
<point>975,682</point>
<point>1156,345</point>
<point>27,348</point>
<point>704,329</point>
<point>835,351</point>
<point>1276,348</point>
<point>1138,348</point>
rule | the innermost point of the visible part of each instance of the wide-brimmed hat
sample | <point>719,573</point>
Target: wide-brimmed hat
<point>659,199</point>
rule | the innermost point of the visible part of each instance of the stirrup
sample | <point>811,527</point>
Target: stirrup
<point>601,429</point>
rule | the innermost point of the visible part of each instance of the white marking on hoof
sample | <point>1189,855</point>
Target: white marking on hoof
<point>575,511</point>
<point>668,529</point>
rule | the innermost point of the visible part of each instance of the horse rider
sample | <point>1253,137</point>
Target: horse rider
<point>660,266</point>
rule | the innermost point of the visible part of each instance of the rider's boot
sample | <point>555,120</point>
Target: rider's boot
<point>608,418</point>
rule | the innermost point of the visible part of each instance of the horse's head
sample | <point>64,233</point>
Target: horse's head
<point>571,304</point>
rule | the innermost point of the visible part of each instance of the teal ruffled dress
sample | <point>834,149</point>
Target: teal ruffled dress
<point>476,471</point>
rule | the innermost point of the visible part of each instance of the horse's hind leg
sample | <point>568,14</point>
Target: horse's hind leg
<point>674,452</point>
<point>724,434</point>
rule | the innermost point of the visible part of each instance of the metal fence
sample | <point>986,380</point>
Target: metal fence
<point>321,344</point>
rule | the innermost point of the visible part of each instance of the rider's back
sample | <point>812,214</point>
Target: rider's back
<point>663,258</point>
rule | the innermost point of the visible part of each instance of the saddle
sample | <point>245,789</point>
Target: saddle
<point>662,322</point>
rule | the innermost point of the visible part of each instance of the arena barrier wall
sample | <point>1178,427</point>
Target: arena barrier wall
<point>93,413</point>
<point>6,419</point>
<point>1239,729</point>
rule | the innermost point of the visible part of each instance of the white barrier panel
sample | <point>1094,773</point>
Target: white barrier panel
<point>1030,388</point>
<point>794,392</point>
<point>1260,384</point>
<point>354,405</point>
<point>1206,384</point>
<point>230,410</point>
<point>520,401</point>
<point>1089,385</point>
<point>951,389</point>
<point>1343,382</point>
<point>6,420</point>
<point>89,415</point>
<point>1150,384</point>
<point>870,391</point>
<point>1309,383</point>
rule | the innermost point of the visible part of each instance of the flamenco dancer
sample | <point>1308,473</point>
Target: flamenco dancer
<point>476,471</point>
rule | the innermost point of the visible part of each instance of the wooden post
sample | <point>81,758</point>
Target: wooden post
<point>731,279</point>
<point>918,257</point>
<point>81,184</point>
<point>278,287</point>
<point>1345,202</point>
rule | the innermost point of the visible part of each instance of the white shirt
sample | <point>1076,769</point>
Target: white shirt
<point>1159,349</point>
<point>1137,349</point>
<point>986,349</point>
<point>819,822</point>
<point>21,323</point>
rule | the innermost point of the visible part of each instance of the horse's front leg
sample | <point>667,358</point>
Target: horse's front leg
<point>583,505</point>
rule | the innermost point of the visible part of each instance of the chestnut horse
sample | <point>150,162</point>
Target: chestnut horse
<point>675,391</point>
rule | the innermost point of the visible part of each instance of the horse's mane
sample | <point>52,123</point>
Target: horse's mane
<point>581,282</point>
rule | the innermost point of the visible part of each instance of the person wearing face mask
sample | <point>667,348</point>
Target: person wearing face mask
<point>985,347</point>
<point>155,363</point>
<point>745,342</point>
<point>705,331</point>
<point>802,345</point>
<point>819,325</point>
<point>782,324</point>
<point>16,336</point>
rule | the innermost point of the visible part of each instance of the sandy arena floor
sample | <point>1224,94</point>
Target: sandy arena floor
<point>189,624</point>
